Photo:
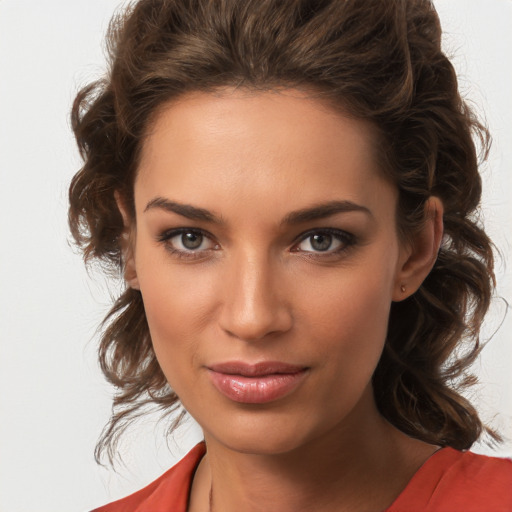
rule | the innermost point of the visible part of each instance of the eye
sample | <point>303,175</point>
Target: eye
<point>327,241</point>
<point>187,242</point>
<point>190,241</point>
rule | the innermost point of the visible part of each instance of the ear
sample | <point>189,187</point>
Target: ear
<point>127,241</point>
<point>418,257</point>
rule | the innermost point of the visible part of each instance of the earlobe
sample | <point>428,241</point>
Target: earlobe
<point>127,241</point>
<point>421,254</point>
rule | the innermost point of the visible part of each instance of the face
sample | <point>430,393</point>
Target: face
<point>266,252</point>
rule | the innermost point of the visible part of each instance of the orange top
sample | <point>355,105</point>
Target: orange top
<point>449,481</point>
<point>453,481</point>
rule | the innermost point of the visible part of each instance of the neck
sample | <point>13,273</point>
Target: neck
<point>356,469</point>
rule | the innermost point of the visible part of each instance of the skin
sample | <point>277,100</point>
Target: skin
<point>257,288</point>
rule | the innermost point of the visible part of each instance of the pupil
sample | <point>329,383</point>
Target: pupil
<point>191,240</point>
<point>321,242</point>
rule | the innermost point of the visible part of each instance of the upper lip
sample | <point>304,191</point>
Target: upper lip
<point>255,369</point>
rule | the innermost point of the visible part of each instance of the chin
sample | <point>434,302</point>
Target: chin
<point>263,433</point>
<point>260,445</point>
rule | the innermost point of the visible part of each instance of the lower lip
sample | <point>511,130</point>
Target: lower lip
<point>256,390</point>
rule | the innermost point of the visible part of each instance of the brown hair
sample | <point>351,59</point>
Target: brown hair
<point>379,60</point>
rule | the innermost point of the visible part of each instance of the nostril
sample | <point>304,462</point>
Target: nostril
<point>252,324</point>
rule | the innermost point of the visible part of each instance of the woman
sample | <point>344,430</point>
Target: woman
<point>290,189</point>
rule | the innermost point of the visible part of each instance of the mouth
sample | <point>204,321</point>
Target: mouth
<point>256,383</point>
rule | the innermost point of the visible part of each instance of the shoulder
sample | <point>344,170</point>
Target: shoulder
<point>453,481</point>
<point>169,492</point>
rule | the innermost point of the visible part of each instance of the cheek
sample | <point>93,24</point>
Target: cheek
<point>178,307</point>
<point>172,292</point>
<point>350,353</point>
<point>349,320</point>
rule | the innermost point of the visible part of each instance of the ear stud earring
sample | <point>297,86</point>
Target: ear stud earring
<point>402,288</point>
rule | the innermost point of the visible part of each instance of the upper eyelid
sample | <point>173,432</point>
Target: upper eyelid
<point>330,231</point>
<point>170,233</point>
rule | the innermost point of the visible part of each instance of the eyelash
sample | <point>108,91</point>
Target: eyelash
<point>346,240</point>
<point>167,236</point>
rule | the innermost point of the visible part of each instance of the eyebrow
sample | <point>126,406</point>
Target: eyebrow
<point>185,210</point>
<point>323,210</point>
<point>316,212</point>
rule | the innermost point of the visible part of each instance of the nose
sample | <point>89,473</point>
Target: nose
<point>254,304</point>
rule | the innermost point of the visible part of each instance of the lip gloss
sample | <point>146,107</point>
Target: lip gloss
<point>256,384</point>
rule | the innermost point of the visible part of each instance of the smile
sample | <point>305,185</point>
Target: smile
<point>256,384</point>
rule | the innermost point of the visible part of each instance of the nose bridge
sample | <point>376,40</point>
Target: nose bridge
<point>253,306</point>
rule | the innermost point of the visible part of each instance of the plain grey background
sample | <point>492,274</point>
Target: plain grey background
<point>53,401</point>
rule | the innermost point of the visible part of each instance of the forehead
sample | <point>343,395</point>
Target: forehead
<point>237,143</point>
<point>270,117</point>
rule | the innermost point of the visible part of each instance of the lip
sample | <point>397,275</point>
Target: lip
<point>256,383</point>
